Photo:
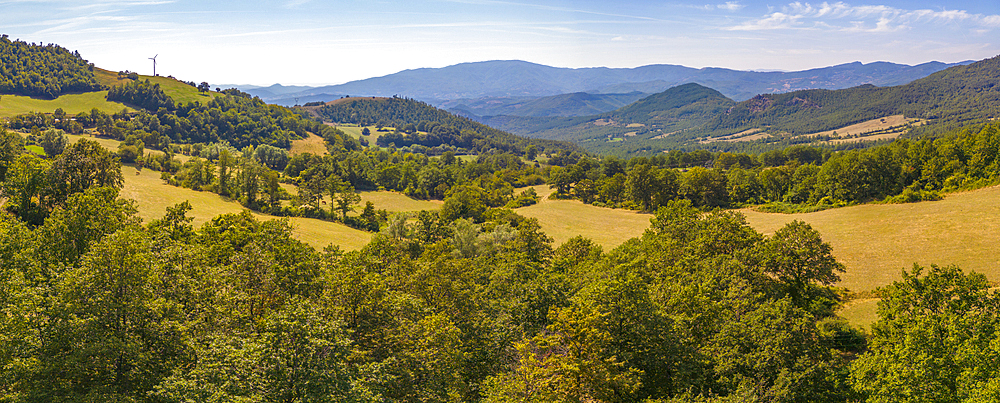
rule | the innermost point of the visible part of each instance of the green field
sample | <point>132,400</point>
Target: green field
<point>12,105</point>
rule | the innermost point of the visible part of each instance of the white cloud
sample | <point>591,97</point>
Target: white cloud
<point>840,16</point>
<point>731,6</point>
<point>773,21</point>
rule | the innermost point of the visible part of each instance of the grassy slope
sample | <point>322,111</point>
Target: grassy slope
<point>152,197</point>
<point>564,219</point>
<point>178,91</point>
<point>11,105</point>
<point>876,241</point>
<point>313,144</point>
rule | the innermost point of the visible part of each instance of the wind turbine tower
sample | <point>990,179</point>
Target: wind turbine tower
<point>154,64</point>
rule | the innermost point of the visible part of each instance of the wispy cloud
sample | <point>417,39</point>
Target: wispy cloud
<point>730,6</point>
<point>294,4</point>
<point>842,16</point>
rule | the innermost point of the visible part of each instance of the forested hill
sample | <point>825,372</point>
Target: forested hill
<point>440,127</point>
<point>688,101</point>
<point>957,94</point>
<point>662,115</point>
<point>47,71</point>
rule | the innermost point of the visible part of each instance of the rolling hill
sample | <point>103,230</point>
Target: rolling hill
<point>449,130</point>
<point>956,95</point>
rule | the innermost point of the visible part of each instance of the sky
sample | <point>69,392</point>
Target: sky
<point>303,42</point>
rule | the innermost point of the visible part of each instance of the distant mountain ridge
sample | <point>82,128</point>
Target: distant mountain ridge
<point>515,78</point>
<point>693,115</point>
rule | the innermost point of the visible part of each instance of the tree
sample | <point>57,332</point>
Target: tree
<point>11,146</point>
<point>799,259</point>
<point>83,165</point>
<point>204,87</point>
<point>936,340</point>
<point>83,220</point>
<point>109,336</point>
<point>54,142</point>
<point>226,164</point>
<point>639,185</point>
<point>531,152</point>
<point>23,188</point>
<point>347,198</point>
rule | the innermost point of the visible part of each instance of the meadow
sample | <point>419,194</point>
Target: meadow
<point>72,104</point>
<point>313,145</point>
<point>153,196</point>
<point>876,241</point>
<point>565,219</point>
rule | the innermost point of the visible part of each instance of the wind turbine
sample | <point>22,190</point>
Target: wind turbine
<point>154,64</point>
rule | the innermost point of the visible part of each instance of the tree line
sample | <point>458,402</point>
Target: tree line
<point>326,186</point>
<point>795,178</point>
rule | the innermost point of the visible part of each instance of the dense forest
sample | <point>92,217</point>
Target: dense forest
<point>440,127</point>
<point>46,71</point>
<point>100,307</point>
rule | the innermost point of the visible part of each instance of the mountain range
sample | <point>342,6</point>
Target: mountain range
<point>503,87</point>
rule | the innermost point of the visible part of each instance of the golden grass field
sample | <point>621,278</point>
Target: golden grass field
<point>152,197</point>
<point>565,219</point>
<point>871,126</point>
<point>876,241</point>
<point>313,144</point>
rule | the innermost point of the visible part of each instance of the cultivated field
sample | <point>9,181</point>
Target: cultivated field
<point>565,219</point>
<point>889,127</point>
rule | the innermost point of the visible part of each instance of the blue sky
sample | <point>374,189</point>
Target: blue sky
<point>330,42</point>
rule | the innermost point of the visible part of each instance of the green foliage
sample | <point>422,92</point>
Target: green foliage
<point>437,126</point>
<point>49,70</point>
<point>935,340</point>
<point>143,94</point>
<point>53,142</point>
